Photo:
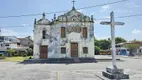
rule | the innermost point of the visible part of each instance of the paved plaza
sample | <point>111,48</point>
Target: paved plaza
<point>80,71</point>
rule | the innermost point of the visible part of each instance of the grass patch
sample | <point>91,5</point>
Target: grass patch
<point>15,59</point>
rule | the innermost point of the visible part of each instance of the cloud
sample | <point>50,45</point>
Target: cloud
<point>124,11</point>
<point>92,13</point>
<point>133,5</point>
<point>10,32</point>
<point>82,11</point>
<point>104,8</point>
<point>136,31</point>
<point>101,37</point>
<point>97,22</point>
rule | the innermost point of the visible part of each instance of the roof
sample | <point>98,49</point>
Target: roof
<point>43,21</point>
<point>74,15</point>
<point>133,42</point>
<point>10,38</point>
<point>25,41</point>
<point>71,16</point>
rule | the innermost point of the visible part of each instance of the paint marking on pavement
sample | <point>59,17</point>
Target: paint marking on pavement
<point>99,77</point>
<point>58,75</point>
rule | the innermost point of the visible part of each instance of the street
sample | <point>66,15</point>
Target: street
<point>84,71</point>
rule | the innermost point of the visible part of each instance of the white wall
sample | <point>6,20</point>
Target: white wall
<point>55,51</point>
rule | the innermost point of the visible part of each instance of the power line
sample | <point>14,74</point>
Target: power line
<point>134,15</point>
<point>65,10</point>
<point>129,16</point>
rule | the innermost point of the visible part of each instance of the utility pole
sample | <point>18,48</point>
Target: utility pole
<point>113,72</point>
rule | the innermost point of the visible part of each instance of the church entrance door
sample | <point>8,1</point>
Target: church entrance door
<point>43,52</point>
<point>74,49</point>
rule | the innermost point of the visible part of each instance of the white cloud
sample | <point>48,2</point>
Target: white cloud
<point>101,37</point>
<point>104,8</point>
<point>106,17</point>
<point>124,11</point>
<point>10,32</point>
<point>82,11</point>
<point>92,13</point>
<point>97,22</point>
<point>133,5</point>
<point>136,31</point>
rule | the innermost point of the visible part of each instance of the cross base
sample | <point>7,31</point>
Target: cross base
<point>115,74</point>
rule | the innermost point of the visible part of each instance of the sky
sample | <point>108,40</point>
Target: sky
<point>130,31</point>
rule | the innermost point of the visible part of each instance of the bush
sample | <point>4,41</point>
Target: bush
<point>29,52</point>
<point>97,50</point>
<point>30,57</point>
<point>2,56</point>
<point>11,52</point>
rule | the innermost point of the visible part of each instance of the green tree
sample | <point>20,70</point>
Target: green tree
<point>119,40</point>
<point>2,56</point>
<point>11,52</point>
<point>96,42</point>
<point>29,51</point>
<point>132,48</point>
<point>31,46</point>
<point>97,50</point>
<point>104,44</point>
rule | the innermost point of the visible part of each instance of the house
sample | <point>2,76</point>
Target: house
<point>9,42</point>
<point>26,42</point>
<point>12,42</point>
<point>70,35</point>
<point>123,50</point>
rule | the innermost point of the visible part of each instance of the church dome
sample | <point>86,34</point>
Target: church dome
<point>74,12</point>
<point>74,15</point>
<point>43,21</point>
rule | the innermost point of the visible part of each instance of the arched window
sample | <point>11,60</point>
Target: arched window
<point>44,34</point>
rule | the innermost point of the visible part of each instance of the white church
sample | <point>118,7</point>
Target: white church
<point>70,35</point>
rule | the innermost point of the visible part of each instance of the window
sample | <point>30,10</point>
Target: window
<point>1,45</point>
<point>63,50</point>
<point>44,34</point>
<point>84,33</point>
<point>18,43</point>
<point>7,45</point>
<point>85,50</point>
<point>140,51</point>
<point>63,32</point>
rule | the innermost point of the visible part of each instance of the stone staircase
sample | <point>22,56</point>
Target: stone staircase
<point>60,60</point>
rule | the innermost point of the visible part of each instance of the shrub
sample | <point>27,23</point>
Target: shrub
<point>97,50</point>
<point>11,52</point>
<point>29,51</point>
<point>2,56</point>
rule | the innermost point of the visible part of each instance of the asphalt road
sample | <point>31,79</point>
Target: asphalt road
<point>84,71</point>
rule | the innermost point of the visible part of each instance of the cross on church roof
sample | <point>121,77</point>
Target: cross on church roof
<point>73,2</point>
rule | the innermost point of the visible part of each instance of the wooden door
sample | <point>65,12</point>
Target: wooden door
<point>74,49</point>
<point>43,52</point>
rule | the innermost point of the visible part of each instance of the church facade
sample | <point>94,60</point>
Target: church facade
<point>70,35</point>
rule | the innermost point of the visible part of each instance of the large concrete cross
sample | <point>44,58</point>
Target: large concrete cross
<point>112,23</point>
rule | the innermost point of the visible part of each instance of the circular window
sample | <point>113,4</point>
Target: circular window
<point>73,19</point>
